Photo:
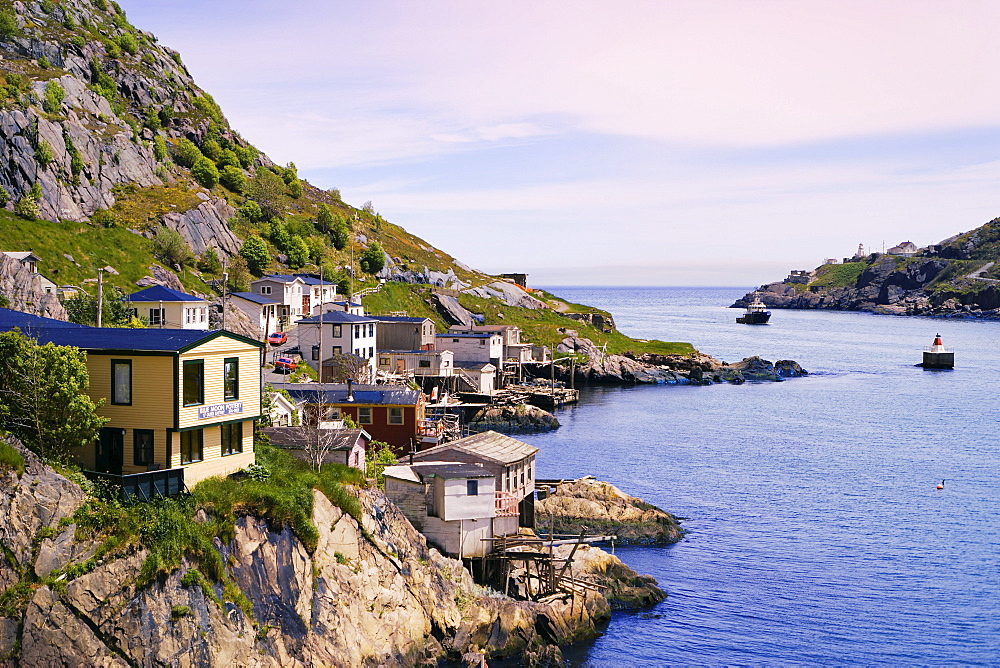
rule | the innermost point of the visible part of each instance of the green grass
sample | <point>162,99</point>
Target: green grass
<point>838,275</point>
<point>951,277</point>
<point>11,459</point>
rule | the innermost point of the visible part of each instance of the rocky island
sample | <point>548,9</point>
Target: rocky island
<point>957,277</point>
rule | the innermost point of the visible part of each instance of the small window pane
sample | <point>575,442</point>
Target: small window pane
<point>395,416</point>
<point>194,382</point>
<point>191,446</point>
<point>231,380</point>
<point>472,487</point>
<point>142,446</point>
<point>121,382</point>
<point>365,415</point>
<point>232,438</point>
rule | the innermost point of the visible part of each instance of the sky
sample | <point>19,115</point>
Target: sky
<point>702,142</point>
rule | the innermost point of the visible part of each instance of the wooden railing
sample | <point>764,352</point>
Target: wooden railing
<point>143,486</point>
<point>506,504</point>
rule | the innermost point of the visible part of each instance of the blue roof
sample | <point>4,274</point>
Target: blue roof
<point>335,317</point>
<point>61,333</point>
<point>336,393</point>
<point>397,318</point>
<point>254,297</point>
<point>309,279</point>
<point>279,278</point>
<point>342,303</point>
<point>160,293</point>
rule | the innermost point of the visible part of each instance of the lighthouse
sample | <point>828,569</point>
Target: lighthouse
<point>938,357</point>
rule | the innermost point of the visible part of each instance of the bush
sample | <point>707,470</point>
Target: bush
<point>128,43</point>
<point>278,235</point>
<point>11,459</point>
<point>373,259</point>
<point>54,95</point>
<point>8,23</point>
<point>209,107</point>
<point>239,274</point>
<point>102,82</point>
<point>254,251</point>
<point>267,189</point>
<point>170,247</point>
<point>246,155</point>
<point>205,172</point>
<point>43,154</point>
<point>209,262</point>
<point>324,218</point>
<point>186,153</point>
<point>295,189</point>
<point>228,157</point>
<point>211,149</point>
<point>159,148</point>
<point>298,253</point>
<point>233,178</point>
<point>27,207</point>
<point>104,218</point>
<point>251,211</point>
<point>4,197</point>
<point>340,235</point>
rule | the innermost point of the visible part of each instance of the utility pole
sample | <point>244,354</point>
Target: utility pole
<point>100,295</point>
<point>225,282</point>
<point>319,362</point>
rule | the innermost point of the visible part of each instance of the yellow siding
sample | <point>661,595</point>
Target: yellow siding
<point>214,463</point>
<point>214,354</point>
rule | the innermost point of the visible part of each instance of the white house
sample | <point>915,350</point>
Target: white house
<point>479,377</point>
<point>294,299</point>
<point>472,347</point>
<point>452,504</point>
<point>320,291</point>
<point>417,362</point>
<point>263,311</point>
<point>341,446</point>
<point>30,262</point>
<point>904,249</point>
<point>161,306</point>
<point>284,412</point>
<point>348,306</point>
<point>513,349</point>
<point>343,333</point>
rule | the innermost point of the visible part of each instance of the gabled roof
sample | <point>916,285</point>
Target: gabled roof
<point>480,366</point>
<point>278,278</point>
<point>161,293</point>
<point>397,318</point>
<point>21,255</point>
<point>364,395</point>
<point>336,317</point>
<point>61,333</point>
<point>446,470</point>
<point>254,297</point>
<point>297,438</point>
<point>489,445</point>
<point>310,279</point>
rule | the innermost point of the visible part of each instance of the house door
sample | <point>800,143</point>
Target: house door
<point>110,450</point>
<point>400,366</point>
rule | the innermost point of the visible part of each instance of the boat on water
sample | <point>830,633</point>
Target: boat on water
<point>756,313</point>
<point>938,357</point>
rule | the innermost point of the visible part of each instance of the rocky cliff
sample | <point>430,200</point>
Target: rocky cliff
<point>369,593</point>
<point>958,277</point>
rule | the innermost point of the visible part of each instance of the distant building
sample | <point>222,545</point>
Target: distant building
<point>404,333</point>
<point>516,279</point>
<point>861,252</point>
<point>343,333</point>
<point>905,249</point>
<point>293,297</point>
<point>831,260</point>
<point>797,276</point>
<point>30,262</point>
<point>262,310</point>
<point>161,306</point>
<point>343,446</point>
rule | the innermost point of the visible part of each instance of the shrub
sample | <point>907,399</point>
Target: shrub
<point>340,235</point>
<point>171,248</point>
<point>205,172</point>
<point>279,235</point>
<point>209,262</point>
<point>228,157</point>
<point>298,252</point>
<point>257,472</point>
<point>373,259</point>
<point>267,189</point>
<point>4,197</point>
<point>377,457</point>
<point>102,81</point>
<point>335,194</point>
<point>206,103</point>
<point>128,43</point>
<point>246,155</point>
<point>179,611</point>
<point>233,178</point>
<point>11,459</point>
<point>27,207</point>
<point>239,274</point>
<point>54,95</point>
<point>251,211</point>
<point>211,149</point>
<point>104,218</point>
<point>324,217</point>
<point>254,251</point>
<point>101,4</point>
<point>8,22</point>
<point>43,62</point>
<point>295,189</point>
<point>159,148</point>
<point>186,153</point>
<point>43,154</point>
<point>79,41</point>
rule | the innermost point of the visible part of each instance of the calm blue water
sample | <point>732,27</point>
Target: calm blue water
<point>815,532</point>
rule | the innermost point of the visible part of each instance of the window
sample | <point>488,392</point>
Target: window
<point>231,378</point>
<point>383,361</point>
<point>364,414</point>
<point>192,443</point>
<point>454,340</point>
<point>121,382</point>
<point>371,352</point>
<point>189,315</point>
<point>482,342</point>
<point>396,415</point>
<point>315,352</point>
<point>338,350</point>
<point>371,329</point>
<point>338,331</point>
<point>357,331</point>
<point>203,314</point>
<point>265,289</point>
<point>194,382</point>
<point>157,316</point>
<point>472,487</point>
<point>232,438</point>
<point>357,351</point>
<point>424,364</point>
<point>142,447</point>
<point>447,363</point>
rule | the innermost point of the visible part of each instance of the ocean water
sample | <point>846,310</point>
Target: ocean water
<point>815,533</point>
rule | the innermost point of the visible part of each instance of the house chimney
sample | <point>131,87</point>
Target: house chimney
<point>350,389</point>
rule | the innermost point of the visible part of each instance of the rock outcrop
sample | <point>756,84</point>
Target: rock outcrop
<point>25,292</point>
<point>370,593</point>
<point>522,419</point>
<point>205,227</point>
<point>599,508</point>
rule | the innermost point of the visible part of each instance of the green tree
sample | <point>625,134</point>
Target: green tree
<point>246,155</point>
<point>159,148</point>
<point>251,211</point>
<point>209,262</point>
<point>378,455</point>
<point>43,154</point>
<point>373,259</point>
<point>205,172</point>
<point>211,149</point>
<point>116,312</point>
<point>54,95</point>
<point>279,235</point>
<point>239,275</point>
<point>324,218</point>
<point>27,206</point>
<point>317,249</point>
<point>8,22</point>
<point>268,190</point>
<point>128,43</point>
<point>298,252</point>
<point>340,235</point>
<point>186,153</point>
<point>233,178</point>
<point>295,189</point>
<point>43,396</point>
<point>4,197</point>
<point>254,251</point>
<point>171,248</point>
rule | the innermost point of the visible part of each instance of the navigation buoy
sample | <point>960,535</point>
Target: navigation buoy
<point>938,357</point>
<point>941,484</point>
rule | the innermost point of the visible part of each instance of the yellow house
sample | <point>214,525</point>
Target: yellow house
<point>175,398</point>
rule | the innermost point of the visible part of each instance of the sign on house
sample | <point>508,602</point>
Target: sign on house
<point>218,410</point>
